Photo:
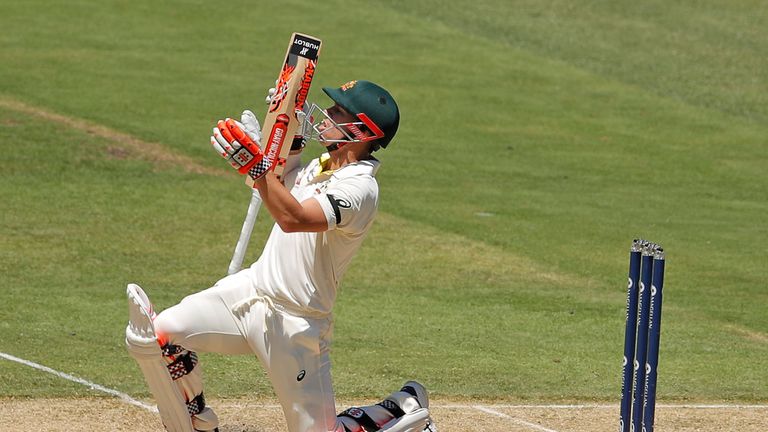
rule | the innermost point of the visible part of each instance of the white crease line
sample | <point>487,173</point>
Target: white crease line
<point>124,397</point>
<point>713,406</point>
<point>513,419</point>
<point>602,406</point>
<point>485,408</point>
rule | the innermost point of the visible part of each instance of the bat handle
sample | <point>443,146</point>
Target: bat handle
<point>245,234</point>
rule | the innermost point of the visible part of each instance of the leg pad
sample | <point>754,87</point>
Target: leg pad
<point>171,372</point>
<point>406,410</point>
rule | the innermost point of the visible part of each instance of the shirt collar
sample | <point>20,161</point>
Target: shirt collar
<point>362,167</point>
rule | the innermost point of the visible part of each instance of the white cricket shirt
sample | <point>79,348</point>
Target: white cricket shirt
<point>302,270</point>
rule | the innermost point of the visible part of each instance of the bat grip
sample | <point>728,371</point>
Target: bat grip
<point>245,233</point>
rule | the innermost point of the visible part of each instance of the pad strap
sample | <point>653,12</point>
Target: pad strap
<point>196,405</point>
<point>171,350</point>
<point>411,391</point>
<point>362,418</point>
<point>183,365</point>
<point>392,407</point>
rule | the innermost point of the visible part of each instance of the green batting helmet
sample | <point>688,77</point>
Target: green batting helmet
<point>373,105</point>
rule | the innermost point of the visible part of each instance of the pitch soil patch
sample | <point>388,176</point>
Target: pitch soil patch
<point>245,415</point>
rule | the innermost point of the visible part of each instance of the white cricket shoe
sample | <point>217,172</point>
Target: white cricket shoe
<point>420,393</point>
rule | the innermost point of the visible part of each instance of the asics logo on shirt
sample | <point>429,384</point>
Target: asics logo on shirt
<point>337,204</point>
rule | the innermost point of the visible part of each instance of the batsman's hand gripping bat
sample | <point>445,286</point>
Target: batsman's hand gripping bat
<point>281,121</point>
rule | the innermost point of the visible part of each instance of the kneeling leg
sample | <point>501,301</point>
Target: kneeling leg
<point>406,410</point>
<point>171,371</point>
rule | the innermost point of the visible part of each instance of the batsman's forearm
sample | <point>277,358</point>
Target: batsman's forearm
<point>280,203</point>
<point>291,169</point>
<point>289,213</point>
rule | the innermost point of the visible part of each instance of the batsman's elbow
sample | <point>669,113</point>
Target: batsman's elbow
<point>307,216</point>
<point>294,226</point>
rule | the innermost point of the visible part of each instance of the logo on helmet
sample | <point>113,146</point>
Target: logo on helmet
<point>348,85</point>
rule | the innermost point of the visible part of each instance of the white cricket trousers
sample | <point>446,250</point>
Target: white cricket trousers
<point>233,318</point>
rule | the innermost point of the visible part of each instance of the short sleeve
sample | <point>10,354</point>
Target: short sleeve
<point>350,204</point>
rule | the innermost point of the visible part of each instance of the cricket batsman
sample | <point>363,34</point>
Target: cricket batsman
<point>280,308</point>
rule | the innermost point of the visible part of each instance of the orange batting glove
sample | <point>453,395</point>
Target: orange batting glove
<point>238,143</point>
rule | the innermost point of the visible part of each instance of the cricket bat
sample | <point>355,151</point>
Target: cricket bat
<point>291,94</point>
<point>281,124</point>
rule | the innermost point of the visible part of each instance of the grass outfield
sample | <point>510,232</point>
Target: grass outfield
<point>538,138</point>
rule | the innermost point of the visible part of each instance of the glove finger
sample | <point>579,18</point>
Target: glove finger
<point>222,142</point>
<point>304,126</point>
<point>270,94</point>
<point>241,127</point>
<point>226,135</point>
<point>238,132</point>
<point>219,149</point>
<point>251,124</point>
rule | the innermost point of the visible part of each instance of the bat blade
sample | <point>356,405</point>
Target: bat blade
<point>292,88</point>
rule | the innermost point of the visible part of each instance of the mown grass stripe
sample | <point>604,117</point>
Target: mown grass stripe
<point>156,153</point>
<point>165,157</point>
